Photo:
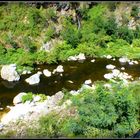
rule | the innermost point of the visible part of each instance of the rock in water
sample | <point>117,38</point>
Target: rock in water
<point>60,69</point>
<point>47,73</point>
<point>72,58</point>
<point>108,56</point>
<point>123,60</point>
<point>110,66</point>
<point>108,76</point>
<point>81,56</point>
<point>93,60</point>
<point>88,82</point>
<point>34,79</point>
<point>9,73</point>
<point>18,98</point>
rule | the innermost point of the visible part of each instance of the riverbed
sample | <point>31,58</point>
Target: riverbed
<point>74,75</point>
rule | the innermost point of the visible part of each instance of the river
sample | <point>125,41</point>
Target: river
<point>74,75</point>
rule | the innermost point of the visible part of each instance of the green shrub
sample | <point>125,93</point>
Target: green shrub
<point>92,132</point>
<point>136,43</point>
<point>125,34</point>
<point>28,97</point>
<point>106,109</point>
<point>50,13</point>
<point>70,33</point>
<point>135,11</point>
<point>43,97</point>
<point>49,33</point>
<point>49,127</point>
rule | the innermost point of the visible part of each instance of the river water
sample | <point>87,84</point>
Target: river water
<point>74,71</point>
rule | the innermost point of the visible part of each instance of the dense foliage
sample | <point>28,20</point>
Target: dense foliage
<point>99,113</point>
<point>94,31</point>
<point>90,29</point>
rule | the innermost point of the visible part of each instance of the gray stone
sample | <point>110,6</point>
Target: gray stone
<point>108,76</point>
<point>110,66</point>
<point>93,60</point>
<point>123,60</point>
<point>9,73</point>
<point>88,82</point>
<point>47,73</point>
<point>34,79</point>
<point>59,69</point>
<point>108,56</point>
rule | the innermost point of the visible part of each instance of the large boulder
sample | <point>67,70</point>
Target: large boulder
<point>9,73</point>
<point>34,79</point>
<point>18,98</point>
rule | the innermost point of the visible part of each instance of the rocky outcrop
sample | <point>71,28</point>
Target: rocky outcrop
<point>9,73</point>
<point>31,109</point>
<point>34,79</point>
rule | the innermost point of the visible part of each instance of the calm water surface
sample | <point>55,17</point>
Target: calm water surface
<point>75,71</point>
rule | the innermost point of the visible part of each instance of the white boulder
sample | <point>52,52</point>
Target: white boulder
<point>122,68</point>
<point>136,62</point>
<point>93,60</point>
<point>123,60</point>
<point>18,99</point>
<point>26,72</point>
<point>88,82</point>
<point>108,76</point>
<point>47,73</point>
<point>74,92</point>
<point>9,73</point>
<point>72,58</point>
<point>115,72</point>
<point>108,56</point>
<point>34,79</point>
<point>131,63</point>
<point>110,66</point>
<point>59,69</point>
<point>81,56</point>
